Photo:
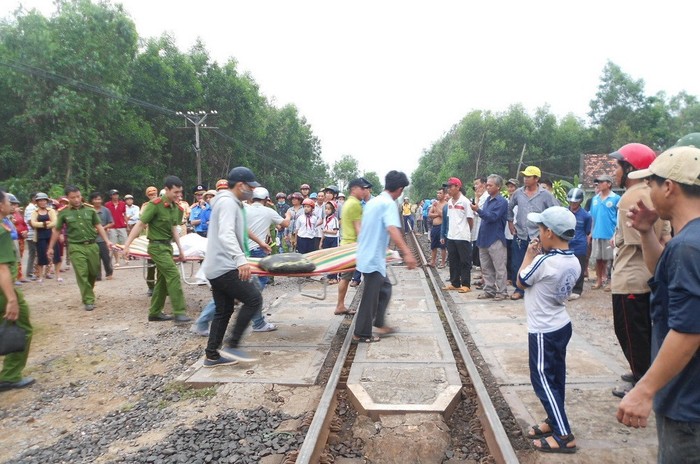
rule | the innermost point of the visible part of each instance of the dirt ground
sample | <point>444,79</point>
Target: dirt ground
<point>92,365</point>
<point>88,364</point>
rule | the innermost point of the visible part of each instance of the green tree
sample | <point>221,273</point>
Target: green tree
<point>373,179</point>
<point>344,170</point>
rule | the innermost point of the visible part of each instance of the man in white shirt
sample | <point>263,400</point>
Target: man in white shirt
<point>459,246</point>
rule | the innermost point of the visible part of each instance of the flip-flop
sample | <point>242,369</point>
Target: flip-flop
<point>372,339</point>
<point>347,312</point>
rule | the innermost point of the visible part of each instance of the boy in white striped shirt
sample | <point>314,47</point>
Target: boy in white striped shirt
<point>548,275</point>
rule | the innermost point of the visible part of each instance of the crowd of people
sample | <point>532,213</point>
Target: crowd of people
<point>642,243</point>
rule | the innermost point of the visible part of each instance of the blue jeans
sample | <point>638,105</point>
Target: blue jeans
<point>258,253</point>
<point>678,441</point>
<point>519,249</point>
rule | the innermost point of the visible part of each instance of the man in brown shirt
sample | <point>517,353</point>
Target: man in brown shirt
<point>630,291</point>
<point>435,214</point>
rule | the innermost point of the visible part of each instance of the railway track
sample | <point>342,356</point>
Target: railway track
<point>499,445</point>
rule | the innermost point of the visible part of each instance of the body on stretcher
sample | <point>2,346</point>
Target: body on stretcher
<point>336,260</point>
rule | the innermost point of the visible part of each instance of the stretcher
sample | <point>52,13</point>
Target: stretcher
<point>337,260</point>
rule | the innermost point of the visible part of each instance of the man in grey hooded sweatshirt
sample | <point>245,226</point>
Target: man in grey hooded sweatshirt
<point>227,269</point>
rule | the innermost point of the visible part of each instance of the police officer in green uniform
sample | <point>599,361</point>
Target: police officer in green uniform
<point>82,226</point>
<point>163,215</point>
<point>13,307</point>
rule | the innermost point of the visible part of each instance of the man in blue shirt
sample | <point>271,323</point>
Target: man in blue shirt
<point>579,244</point>
<point>604,212</point>
<point>380,221</point>
<point>671,382</point>
<point>197,209</point>
<point>491,239</point>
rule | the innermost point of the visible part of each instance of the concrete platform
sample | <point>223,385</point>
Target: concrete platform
<point>292,355</point>
<point>413,370</point>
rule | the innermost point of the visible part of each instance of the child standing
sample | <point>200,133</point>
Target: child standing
<point>330,234</point>
<point>306,228</point>
<point>548,275</point>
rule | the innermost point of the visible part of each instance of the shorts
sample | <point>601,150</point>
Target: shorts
<point>117,236</point>
<point>435,238</point>
<point>601,249</point>
<point>347,275</point>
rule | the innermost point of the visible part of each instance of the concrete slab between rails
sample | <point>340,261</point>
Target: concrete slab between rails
<point>286,366</point>
<point>390,388</point>
<point>405,347</point>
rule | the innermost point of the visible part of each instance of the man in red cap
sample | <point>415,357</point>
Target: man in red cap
<point>459,246</point>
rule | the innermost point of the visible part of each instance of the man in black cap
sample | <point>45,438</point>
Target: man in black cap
<point>350,228</point>
<point>226,266</point>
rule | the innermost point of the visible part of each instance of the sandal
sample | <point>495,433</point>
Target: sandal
<point>562,442</point>
<point>539,433</point>
<point>372,339</point>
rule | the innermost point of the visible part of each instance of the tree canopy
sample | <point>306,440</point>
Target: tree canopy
<point>485,143</point>
<point>87,102</point>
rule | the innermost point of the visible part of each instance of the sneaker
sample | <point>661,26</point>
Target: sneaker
<point>21,383</point>
<point>149,292</point>
<point>574,296</point>
<point>201,331</point>
<point>268,327</point>
<point>219,362</point>
<point>236,354</point>
<point>89,307</point>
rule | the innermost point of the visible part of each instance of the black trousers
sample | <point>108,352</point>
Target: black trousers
<point>459,255</point>
<point>226,289</point>
<point>632,321</point>
<point>372,309</point>
<point>106,259</point>
<point>578,287</point>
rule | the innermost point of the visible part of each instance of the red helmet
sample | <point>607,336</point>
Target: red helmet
<point>638,155</point>
<point>308,202</point>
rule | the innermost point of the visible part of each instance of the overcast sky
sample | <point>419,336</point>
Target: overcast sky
<point>383,80</point>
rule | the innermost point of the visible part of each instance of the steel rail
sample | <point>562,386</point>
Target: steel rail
<point>498,442</point>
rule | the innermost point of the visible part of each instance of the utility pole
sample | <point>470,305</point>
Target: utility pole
<point>197,119</point>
